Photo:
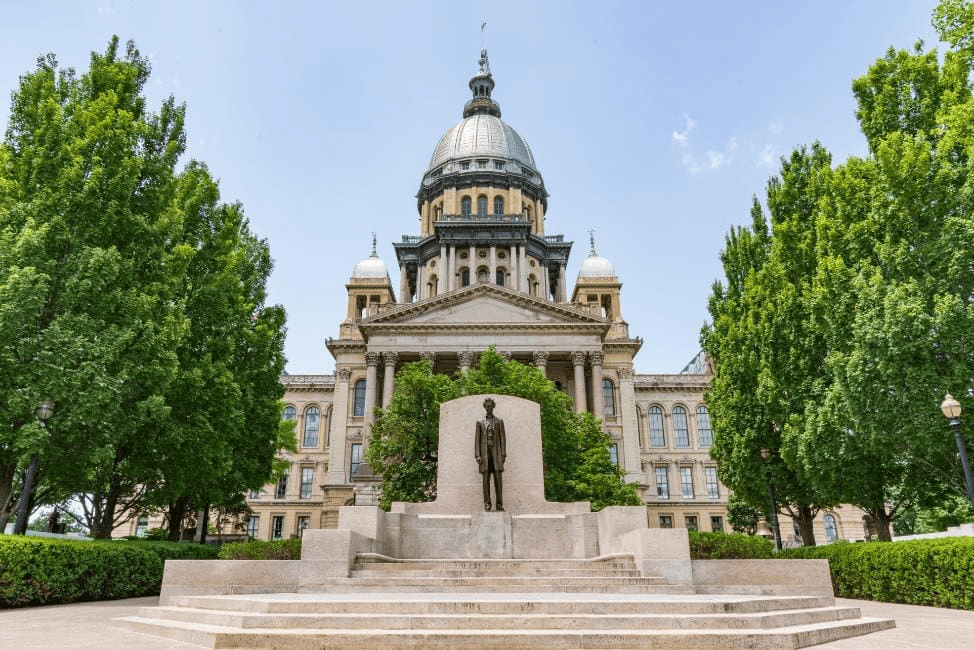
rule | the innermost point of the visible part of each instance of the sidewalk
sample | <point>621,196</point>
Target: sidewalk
<point>88,626</point>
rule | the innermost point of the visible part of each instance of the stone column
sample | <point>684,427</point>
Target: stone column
<point>493,263</point>
<point>543,290</point>
<point>452,280</point>
<point>598,407</point>
<point>403,284</point>
<point>562,291</point>
<point>472,264</point>
<point>430,356</point>
<point>540,358</point>
<point>578,360</point>
<point>630,426</point>
<point>420,282</point>
<point>338,462</point>
<point>371,379</point>
<point>389,360</point>
<point>444,268</point>
<point>515,274</point>
<point>522,269</point>
<point>465,359</point>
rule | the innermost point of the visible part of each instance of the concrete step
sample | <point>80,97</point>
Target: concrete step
<point>375,561</point>
<point>215,636</point>
<point>492,604</point>
<point>508,621</point>
<point>493,572</point>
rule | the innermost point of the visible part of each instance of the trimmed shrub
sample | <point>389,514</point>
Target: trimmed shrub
<point>937,572</point>
<point>179,550</point>
<point>38,571</point>
<point>255,549</point>
<point>721,546</point>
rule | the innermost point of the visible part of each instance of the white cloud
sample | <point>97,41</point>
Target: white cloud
<point>766,157</point>
<point>682,138</point>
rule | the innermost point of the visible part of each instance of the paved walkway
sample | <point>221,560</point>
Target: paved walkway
<point>88,626</point>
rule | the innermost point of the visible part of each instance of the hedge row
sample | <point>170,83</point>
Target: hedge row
<point>255,549</point>
<point>37,571</point>
<point>721,546</point>
<point>936,572</point>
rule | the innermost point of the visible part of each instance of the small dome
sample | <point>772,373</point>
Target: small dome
<point>371,266</point>
<point>596,266</point>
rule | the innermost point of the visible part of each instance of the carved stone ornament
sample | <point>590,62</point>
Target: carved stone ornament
<point>428,355</point>
<point>355,434</point>
<point>596,357</point>
<point>465,358</point>
<point>686,460</point>
<point>661,460</point>
<point>578,358</point>
<point>540,358</point>
<point>390,359</point>
<point>506,354</point>
<point>625,373</point>
<point>344,374</point>
<point>372,358</point>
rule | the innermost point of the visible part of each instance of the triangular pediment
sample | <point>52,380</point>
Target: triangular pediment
<point>484,303</point>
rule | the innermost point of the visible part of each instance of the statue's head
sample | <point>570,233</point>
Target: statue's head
<point>489,404</point>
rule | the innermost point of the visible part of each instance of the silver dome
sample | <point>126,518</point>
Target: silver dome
<point>370,267</point>
<point>597,267</point>
<point>482,135</point>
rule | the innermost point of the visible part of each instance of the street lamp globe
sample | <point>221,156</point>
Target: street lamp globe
<point>45,410</point>
<point>950,407</point>
<point>765,453</point>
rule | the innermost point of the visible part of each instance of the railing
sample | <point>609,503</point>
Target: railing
<point>411,239</point>
<point>307,379</point>
<point>483,218</point>
<point>554,239</point>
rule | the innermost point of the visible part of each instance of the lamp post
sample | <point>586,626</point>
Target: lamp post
<point>951,409</point>
<point>44,412</point>
<point>766,456</point>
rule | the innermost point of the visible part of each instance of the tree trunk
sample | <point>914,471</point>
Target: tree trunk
<point>806,519</point>
<point>202,519</point>
<point>7,472</point>
<point>882,520</point>
<point>106,522</point>
<point>24,504</point>
<point>176,515</point>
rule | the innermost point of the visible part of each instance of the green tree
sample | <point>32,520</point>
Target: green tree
<point>405,437</point>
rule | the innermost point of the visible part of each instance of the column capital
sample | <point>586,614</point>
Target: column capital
<point>625,373</point>
<point>540,358</point>
<point>597,357</point>
<point>578,358</point>
<point>371,358</point>
<point>390,359</point>
<point>344,374</point>
<point>428,355</point>
<point>465,357</point>
<point>506,354</point>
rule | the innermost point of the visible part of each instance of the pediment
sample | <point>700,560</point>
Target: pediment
<point>484,303</point>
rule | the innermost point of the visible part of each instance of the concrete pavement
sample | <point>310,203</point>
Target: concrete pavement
<point>88,626</point>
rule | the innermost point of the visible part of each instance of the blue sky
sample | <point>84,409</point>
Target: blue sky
<point>653,123</point>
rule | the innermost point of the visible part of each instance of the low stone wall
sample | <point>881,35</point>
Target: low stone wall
<point>964,530</point>
<point>223,577</point>
<point>763,577</point>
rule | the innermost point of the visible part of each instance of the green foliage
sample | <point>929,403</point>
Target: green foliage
<point>405,437</point>
<point>255,549</point>
<point>36,571</point>
<point>935,572</point>
<point>721,546</point>
<point>743,517</point>
<point>955,510</point>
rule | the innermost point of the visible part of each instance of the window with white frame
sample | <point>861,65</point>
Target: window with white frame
<point>686,482</point>
<point>281,491</point>
<point>657,437</point>
<point>662,483</point>
<point>704,434</point>
<point>303,523</point>
<point>681,430</point>
<point>713,486</point>
<point>358,404</point>
<point>277,527</point>
<point>355,459</point>
<point>290,414</point>
<point>307,479</point>
<point>608,397</point>
<point>142,526</point>
<point>614,453</point>
<point>253,524</point>
<point>831,530</point>
<point>312,420</point>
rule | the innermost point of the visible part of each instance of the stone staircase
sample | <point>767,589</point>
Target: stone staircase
<point>596,603</point>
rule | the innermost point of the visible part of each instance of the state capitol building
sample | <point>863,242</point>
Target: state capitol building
<point>484,271</point>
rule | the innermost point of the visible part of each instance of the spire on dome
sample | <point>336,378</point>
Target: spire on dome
<point>591,238</point>
<point>374,253</point>
<point>481,85</point>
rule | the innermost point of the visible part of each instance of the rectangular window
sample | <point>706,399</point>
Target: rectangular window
<point>498,164</point>
<point>355,460</point>
<point>307,479</point>
<point>281,491</point>
<point>142,526</point>
<point>690,522</point>
<point>303,523</point>
<point>665,521</point>
<point>252,525</point>
<point>686,481</point>
<point>277,527</point>
<point>656,437</point>
<point>703,427</point>
<point>713,487</point>
<point>717,524</point>
<point>464,166</point>
<point>255,494</point>
<point>481,164</point>
<point>614,453</point>
<point>662,483</point>
<point>681,429</point>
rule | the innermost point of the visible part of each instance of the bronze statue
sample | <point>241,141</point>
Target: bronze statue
<point>490,450</point>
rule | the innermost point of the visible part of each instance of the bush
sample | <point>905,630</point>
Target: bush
<point>937,572</point>
<point>38,571</point>
<point>721,546</point>
<point>255,549</point>
<point>179,550</point>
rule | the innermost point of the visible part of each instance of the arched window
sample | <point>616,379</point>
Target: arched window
<point>290,414</point>
<point>499,280</point>
<point>482,205</point>
<point>608,397</point>
<point>831,530</point>
<point>465,206</point>
<point>656,436</point>
<point>359,404</point>
<point>681,430</point>
<point>704,434</point>
<point>312,420</point>
<point>498,205</point>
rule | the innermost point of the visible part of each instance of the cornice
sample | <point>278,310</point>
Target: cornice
<point>427,329</point>
<point>308,382</point>
<point>688,382</point>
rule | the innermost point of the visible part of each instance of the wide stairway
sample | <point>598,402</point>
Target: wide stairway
<point>503,604</point>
